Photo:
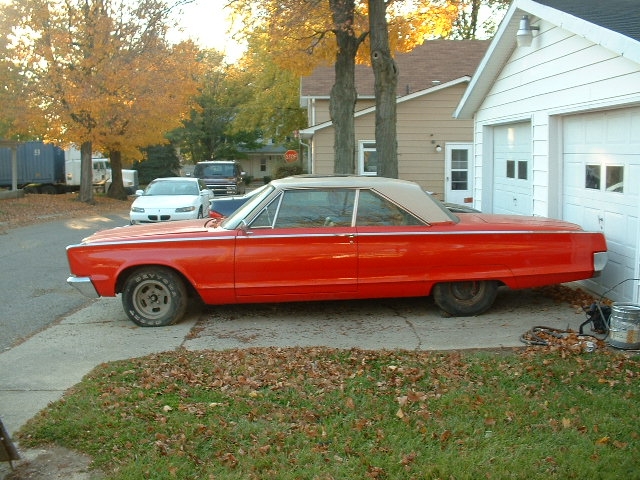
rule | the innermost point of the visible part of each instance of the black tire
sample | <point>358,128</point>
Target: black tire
<point>154,297</point>
<point>464,299</point>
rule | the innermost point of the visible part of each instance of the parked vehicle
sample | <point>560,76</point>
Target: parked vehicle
<point>223,177</point>
<point>46,168</point>
<point>319,238</point>
<point>222,207</point>
<point>169,199</point>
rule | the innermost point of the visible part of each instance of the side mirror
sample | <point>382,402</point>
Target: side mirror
<point>139,192</point>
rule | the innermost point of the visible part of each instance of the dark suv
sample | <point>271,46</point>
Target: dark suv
<point>224,177</point>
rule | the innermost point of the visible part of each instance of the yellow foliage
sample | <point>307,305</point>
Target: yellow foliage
<point>301,32</point>
<point>102,74</point>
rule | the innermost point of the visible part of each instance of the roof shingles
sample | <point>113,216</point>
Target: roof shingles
<point>433,62</point>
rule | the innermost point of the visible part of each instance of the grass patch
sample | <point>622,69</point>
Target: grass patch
<point>319,413</point>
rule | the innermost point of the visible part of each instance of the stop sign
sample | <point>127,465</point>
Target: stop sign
<point>290,156</point>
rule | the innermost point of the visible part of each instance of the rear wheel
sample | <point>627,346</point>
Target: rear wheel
<point>463,299</point>
<point>154,297</point>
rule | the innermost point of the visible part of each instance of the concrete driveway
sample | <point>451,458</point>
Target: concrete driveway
<point>41,369</point>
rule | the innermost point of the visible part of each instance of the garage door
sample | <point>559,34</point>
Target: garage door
<point>513,193</point>
<point>601,183</point>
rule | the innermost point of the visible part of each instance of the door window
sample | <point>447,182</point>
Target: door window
<point>307,208</point>
<point>374,210</point>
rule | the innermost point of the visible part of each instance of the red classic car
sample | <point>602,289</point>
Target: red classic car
<point>337,237</point>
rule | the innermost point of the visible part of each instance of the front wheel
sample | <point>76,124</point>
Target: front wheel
<point>154,297</point>
<point>464,299</point>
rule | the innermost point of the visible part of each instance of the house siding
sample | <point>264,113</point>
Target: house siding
<point>561,73</point>
<point>422,123</point>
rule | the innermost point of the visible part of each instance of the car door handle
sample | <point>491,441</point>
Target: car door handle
<point>351,236</point>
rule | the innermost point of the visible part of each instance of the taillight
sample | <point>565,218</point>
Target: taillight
<point>214,214</point>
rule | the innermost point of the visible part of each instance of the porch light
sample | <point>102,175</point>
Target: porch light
<point>524,36</point>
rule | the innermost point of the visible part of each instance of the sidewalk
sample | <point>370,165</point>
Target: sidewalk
<point>42,368</point>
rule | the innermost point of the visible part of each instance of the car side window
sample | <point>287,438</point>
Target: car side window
<point>305,208</point>
<point>375,210</point>
<point>267,215</point>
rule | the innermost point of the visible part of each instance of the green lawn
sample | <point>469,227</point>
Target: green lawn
<point>320,413</point>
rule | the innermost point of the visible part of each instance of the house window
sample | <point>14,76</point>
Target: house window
<point>613,178</point>
<point>522,167</point>
<point>592,177</point>
<point>263,164</point>
<point>368,158</point>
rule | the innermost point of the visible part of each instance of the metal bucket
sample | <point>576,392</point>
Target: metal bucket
<point>624,326</point>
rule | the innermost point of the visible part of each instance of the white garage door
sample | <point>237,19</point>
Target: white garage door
<point>513,193</point>
<point>601,183</point>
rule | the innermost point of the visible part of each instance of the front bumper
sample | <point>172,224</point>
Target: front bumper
<point>83,285</point>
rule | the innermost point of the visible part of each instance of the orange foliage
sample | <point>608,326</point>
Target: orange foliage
<point>301,31</point>
<point>101,72</point>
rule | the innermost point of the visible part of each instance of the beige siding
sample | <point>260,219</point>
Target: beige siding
<point>422,123</point>
<point>321,109</point>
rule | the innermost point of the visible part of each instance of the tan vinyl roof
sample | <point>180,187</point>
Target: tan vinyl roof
<point>403,192</point>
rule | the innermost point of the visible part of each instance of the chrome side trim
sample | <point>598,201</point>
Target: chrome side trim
<point>83,285</point>
<point>253,234</point>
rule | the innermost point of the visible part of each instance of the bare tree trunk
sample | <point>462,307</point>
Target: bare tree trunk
<point>86,173</point>
<point>116,190</point>
<point>385,73</point>
<point>343,93</point>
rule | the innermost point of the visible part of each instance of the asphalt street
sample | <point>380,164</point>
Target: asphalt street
<point>33,288</point>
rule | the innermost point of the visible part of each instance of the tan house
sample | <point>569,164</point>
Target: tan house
<point>434,149</point>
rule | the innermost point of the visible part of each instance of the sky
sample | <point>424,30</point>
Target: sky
<point>206,22</point>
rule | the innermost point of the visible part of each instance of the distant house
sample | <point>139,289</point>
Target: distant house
<point>263,161</point>
<point>557,124</point>
<point>434,149</point>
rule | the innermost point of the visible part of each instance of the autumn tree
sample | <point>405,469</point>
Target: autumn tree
<point>101,74</point>
<point>385,73</point>
<point>469,24</point>
<point>206,134</point>
<point>307,33</point>
<point>272,105</point>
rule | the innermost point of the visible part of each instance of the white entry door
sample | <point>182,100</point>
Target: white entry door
<point>458,173</point>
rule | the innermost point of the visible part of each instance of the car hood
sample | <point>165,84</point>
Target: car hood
<point>508,222</point>
<point>163,201</point>
<point>155,230</point>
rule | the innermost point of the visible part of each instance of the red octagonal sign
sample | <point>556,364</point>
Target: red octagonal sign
<point>290,156</point>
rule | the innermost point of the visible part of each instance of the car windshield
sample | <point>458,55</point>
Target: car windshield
<point>215,170</point>
<point>172,188</point>
<point>257,196</point>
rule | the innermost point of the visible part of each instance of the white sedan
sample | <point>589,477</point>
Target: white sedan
<point>171,198</point>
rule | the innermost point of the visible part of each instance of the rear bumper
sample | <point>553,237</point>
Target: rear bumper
<point>83,285</point>
<point>599,262</point>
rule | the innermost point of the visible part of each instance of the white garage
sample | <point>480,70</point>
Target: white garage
<point>556,109</point>
<point>512,185</point>
<point>601,183</point>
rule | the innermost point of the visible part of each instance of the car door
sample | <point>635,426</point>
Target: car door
<point>302,245</point>
<point>394,252</point>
